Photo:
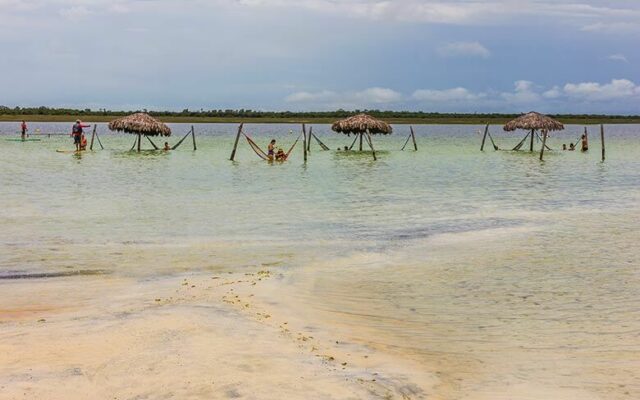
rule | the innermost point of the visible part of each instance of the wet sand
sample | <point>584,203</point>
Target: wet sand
<point>186,336</point>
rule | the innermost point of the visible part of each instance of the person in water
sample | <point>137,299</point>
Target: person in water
<point>572,147</point>
<point>83,142</point>
<point>77,133</point>
<point>23,129</point>
<point>166,146</point>
<point>281,155</point>
<point>584,142</point>
<point>564,146</point>
<point>271,149</point>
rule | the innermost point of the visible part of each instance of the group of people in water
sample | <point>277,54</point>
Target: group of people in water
<point>584,144</point>
<point>273,154</point>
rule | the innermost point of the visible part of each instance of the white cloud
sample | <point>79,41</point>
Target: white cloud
<point>75,12</point>
<point>302,97</point>
<point>613,27</point>
<point>447,95</point>
<point>553,93</point>
<point>618,57</point>
<point>378,95</point>
<point>464,49</point>
<point>524,92</point>
<point>363,98</point>
<point>592,91</point>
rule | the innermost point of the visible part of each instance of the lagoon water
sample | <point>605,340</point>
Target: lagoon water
<point>503,276</point>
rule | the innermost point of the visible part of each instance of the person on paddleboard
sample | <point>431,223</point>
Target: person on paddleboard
<point>77,133</point>
<point>23,129</point>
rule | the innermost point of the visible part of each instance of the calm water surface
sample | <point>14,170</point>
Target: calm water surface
<point>509,277</point>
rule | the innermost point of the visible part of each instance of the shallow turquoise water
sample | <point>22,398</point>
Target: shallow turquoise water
<point>499,270</point>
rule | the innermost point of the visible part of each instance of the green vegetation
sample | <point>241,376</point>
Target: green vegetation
<point>251,116</point>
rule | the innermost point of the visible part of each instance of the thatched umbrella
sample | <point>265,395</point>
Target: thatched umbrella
<point>140,124</point>
<point>362,124</point>
<point>532,122</point>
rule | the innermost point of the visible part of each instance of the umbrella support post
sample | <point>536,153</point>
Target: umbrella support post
<point>371,145</point>
<point>602,139</point>
<point>93,135</point>
<point>484,137</point>
<point>360,147</point>
<point>413,138</point>
<point>139,142</point>
<point>151,141</point>
<point>304,140</point>
<point>353,143</point>
<point>531,145</point>
<point>544,144</point>
<point>193,137</point>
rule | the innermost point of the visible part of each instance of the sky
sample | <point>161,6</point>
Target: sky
<point>580,56</point>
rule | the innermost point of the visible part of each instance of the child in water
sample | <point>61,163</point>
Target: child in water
<point>280,155</point>
<point>166,146</point>
<point>83,142</point>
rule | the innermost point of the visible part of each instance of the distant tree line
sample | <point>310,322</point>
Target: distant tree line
<point>242,113</point>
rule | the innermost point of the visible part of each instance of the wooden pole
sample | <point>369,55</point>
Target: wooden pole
<point>602,139</point>
<point>304,137</point>
<point>139,140</point>
<point>531,145</point>
<point>93,135</point>
<point>193,136</point>
<point>235,144</point>
<point>484,137</point>
<point>309,139</point>
<point>544,141</point>
<point>361,141</point>
<point>371,145</point>
<point>413,137</point>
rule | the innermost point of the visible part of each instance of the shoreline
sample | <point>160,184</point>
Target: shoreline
<point>172,335</point>
<point>463,120</point>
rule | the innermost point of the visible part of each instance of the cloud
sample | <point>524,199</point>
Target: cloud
<point>355,99</point>
<point>448,95</point>
<point>592,91</point>
<point>524,92</point>
<point>464,49</point>
<point>306,97</point>
<point>553,93</point>
<point>75,12</point>
<point>618,57</point>
<point>613,27</point>
<point>378,95</point>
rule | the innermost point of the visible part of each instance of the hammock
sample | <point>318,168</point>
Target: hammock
<point>260,153</point>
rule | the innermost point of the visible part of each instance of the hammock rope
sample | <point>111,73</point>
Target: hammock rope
<point>322,145</point>
<point>254,146</point>
<point>181,140</point>
<point>293,145</point>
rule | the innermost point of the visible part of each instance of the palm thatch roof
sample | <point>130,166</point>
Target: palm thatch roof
<point>534,121</point>
<point>140,123</point>
<point>361,123</point>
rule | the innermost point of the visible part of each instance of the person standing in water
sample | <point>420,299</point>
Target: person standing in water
<point>271,149</point>
<point>23,129</point>
<point>77,132</point>
<point>584,141</point>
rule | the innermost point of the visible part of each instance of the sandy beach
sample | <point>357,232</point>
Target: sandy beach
<point>186,336</point>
